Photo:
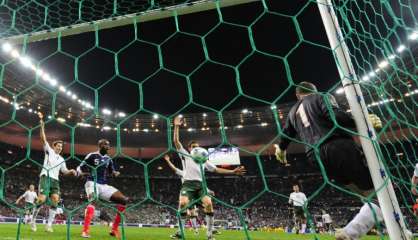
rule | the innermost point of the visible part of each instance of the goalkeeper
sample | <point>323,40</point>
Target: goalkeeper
<point>310,119</point>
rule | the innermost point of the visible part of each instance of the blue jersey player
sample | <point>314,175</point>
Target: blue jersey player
<point>96,185</point>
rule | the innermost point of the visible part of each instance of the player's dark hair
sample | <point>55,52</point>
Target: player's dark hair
<point>101,141</point>
<point>191,143</point>
<point>54,143</point>
<point>306,88</point>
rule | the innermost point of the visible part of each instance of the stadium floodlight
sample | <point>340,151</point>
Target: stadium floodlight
<point>240,126</point>
<point>180,116</point>
<point>46,77</point>
<point>7,47</point>
<point>88,105</point>
<point>263,124</point>
<point>74,97</point>
<point>413,36</point>
<point>106,128</point>
<point>372,74</point>
<point>155,116</point>
<point>61,120</point>
<point>366,78</point>
<point>340,90</point>
<point>53,82</point>
<point>81,124</point>
<point>69,93</point>
<point>39,72</point>
<point>244,111</point>
<point>401,48</point>
<point>145,130</point>
<point>26,62</point>
<point>273,107</point>
<point>15,53</point>
<point>190,129</point>
<point>392,56</point>
<point>383,64</point>
<point>62,88</point>
<point>204,114</point>
<point>121,114</point>
<point>106,111</point>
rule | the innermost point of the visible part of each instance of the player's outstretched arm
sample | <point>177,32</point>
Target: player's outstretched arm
<point>42,131</point>
<point>66,171</point>
<point>176,138</point>
<point>169,163</point>
<point>112,170</point>
<point>20,198</point>
<point>342,117</point>
<point>236,171</point>
<point>172,166</point>
<point>280,155</point>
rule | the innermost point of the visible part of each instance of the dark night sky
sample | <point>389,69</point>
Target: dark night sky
<point>213,84</point>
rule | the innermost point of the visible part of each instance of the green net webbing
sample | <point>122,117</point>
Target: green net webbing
<point>122,70</point>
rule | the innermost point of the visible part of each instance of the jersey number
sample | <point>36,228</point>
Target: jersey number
<point>302,114</point>
<point>96,161</point>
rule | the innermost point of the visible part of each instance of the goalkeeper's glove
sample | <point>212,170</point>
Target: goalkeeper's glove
<point>280,154</point>
<point>375,121</point>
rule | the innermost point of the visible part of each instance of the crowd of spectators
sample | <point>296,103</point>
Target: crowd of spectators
<point>260,201</point>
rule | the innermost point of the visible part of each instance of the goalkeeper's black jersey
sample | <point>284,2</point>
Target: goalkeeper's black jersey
<point>310,119</point>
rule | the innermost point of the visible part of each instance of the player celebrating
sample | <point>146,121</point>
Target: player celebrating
<point>104,167</point>
<point>49,177</point>
<point>298,199</point>
<point>192,185</point>
<point>30,196</point>
<point>343,160</point>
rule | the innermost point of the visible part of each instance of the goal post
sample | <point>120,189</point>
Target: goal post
<point>118,21</point>
<point>386,196</point>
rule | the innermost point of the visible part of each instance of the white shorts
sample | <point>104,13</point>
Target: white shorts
<point>103,191</point>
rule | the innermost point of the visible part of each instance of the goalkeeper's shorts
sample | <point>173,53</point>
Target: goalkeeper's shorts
<point>345,163</point>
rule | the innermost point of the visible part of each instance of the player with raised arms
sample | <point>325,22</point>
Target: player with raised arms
<point>192,188</point>
<point>54,163</point>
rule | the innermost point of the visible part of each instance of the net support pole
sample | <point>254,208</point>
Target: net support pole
<point>386,195</point>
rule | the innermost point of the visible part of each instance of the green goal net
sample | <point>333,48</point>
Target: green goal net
<point>124,69</point>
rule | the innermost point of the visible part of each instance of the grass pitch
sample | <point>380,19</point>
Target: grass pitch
<point>9,232</point>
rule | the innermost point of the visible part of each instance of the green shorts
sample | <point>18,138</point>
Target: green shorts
<point>48,186</point>
<point>29,206</point>
<point>193,190</point>
<point>298,212</point>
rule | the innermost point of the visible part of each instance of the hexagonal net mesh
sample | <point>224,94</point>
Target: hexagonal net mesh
<point>123,70</point>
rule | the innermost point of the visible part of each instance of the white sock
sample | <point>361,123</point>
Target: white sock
<point>363,221</point>
<point>303,228</point>
<point>194,222</point>
<point>182,224</point>
<point>51,216</point>
<point>35,214</point>
<point>209,223</point>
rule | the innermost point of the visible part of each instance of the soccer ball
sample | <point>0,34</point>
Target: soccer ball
<point>199,155</point>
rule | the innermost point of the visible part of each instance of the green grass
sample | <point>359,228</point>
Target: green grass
<point>9,232</point>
